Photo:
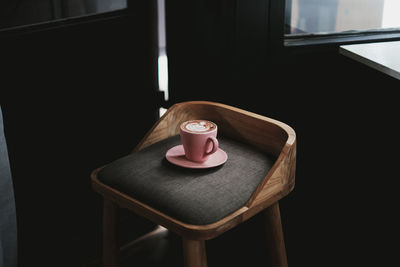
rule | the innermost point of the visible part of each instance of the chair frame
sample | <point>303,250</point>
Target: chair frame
<point>269,135</point>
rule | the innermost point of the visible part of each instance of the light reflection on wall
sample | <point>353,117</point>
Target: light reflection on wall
<point>162,50</point>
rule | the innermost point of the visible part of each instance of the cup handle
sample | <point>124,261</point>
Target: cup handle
<point>215,145</point>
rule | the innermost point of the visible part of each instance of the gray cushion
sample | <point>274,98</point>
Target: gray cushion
<point>194,196</point>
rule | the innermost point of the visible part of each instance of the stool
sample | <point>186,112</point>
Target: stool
<point>201,204</point>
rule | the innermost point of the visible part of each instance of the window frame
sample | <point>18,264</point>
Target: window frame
<point>341,38</point>
<point>64,22</point>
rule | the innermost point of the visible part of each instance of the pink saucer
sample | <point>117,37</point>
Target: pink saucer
<point>176,155</point>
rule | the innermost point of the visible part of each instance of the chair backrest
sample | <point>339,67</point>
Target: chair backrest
<point>8,222</point>
<point>269,135</point>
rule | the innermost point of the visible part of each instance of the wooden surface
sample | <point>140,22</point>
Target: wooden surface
<point>275,240</point>
<point>110,247</point>
<point>382,56</point>
<point>194,253</point>
<point>265,133</point>
<point>271,136</point>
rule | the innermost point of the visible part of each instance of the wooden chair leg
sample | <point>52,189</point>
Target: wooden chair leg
<point>194,253</point>
<point>275,240</point>
<point>110,245</point>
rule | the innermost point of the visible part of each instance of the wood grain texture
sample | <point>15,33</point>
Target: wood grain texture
<point>275,240</point>
<point>280,179</point>
<point>268,135</point>
<point>265,133</point>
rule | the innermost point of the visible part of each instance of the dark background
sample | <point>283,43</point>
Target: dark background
<point>80,94</point>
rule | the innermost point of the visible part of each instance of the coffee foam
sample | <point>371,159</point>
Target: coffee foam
<point>199,126</point>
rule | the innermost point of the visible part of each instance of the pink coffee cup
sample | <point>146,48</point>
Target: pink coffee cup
<point>199,139</point>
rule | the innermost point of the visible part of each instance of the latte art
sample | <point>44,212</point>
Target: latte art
<point>199,126</point>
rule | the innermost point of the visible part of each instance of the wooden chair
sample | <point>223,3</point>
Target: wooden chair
<point>248,130</point>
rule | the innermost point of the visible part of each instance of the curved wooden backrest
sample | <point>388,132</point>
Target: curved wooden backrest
<point>269,135</point>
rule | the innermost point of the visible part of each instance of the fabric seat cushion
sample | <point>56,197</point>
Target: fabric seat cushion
<point>193,196</point>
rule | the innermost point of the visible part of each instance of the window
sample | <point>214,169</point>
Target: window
<point>333,17</point>
<point>25,12</point>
